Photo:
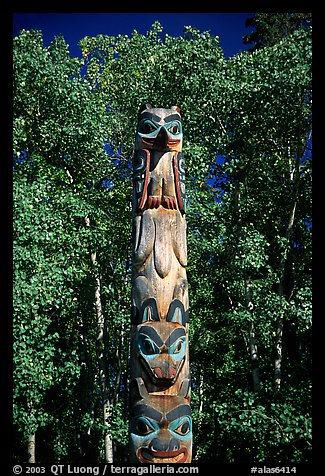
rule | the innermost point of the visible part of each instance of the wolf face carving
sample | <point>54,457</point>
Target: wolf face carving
<point>160,428</point>
<point>161,355</point>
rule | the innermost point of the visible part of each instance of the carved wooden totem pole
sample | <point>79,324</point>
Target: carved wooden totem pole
<point>160,415</point>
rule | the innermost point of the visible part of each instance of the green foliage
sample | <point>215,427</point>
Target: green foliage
<point>270,28</point>
<point>249,238</point>
<point>268,431</point>
<point>45,270</point>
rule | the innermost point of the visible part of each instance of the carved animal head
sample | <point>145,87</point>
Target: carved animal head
<point>161,350</point>
<point>159,129</point>
<point>160,426</point>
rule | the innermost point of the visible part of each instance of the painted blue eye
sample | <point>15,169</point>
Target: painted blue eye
<point>147,346</point>
<point>143,426</point>
<point>182,427</point>
<point>175,128</point>
<point>147,127</point>
<point>178,349</point>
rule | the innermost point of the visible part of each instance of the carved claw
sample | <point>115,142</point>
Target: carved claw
<point>170,203</point>
<point>166,202</point>
<point>154,201</point>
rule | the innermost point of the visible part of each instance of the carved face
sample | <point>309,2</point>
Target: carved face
<point>161,430</point>
<point>162,349</point>
<point>159,129</point>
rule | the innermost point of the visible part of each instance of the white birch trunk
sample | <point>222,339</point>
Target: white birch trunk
<point>31,448</point>
<point>108,444</point>
<point>201,393</point>
<point>278,350</point>
<point>252,345</point>
<point>295,178</point>
<point>254,358</point>
<point>252,339</point>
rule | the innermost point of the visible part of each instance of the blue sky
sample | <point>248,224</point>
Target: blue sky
<point>230,27</point>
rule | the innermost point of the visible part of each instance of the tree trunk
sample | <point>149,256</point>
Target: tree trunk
<point>120,348</point>
<point>254,358</point>
<point>100,346</point>
<point>102,364</point>
<point>278,350</point>
<point>252,339</point>
<point>31,448</point>
<point>295,180</point>
<point>201,397</point>
<point>86,388</point>
<point>31,438</point>
<point>252,345</point>
<point>238,209</point>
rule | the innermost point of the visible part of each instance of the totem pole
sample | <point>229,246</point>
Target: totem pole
<point>160,416</point>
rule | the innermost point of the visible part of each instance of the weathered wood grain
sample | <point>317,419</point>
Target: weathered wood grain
<point>161,424</point>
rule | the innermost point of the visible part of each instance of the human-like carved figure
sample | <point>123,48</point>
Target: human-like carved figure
<point>161,425</point>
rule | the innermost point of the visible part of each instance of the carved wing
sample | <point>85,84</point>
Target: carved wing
<point>179,174</point>
<point>141,165</point>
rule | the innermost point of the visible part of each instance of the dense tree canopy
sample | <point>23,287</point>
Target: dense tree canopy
<point>247,143</point>
<point>270,28</point>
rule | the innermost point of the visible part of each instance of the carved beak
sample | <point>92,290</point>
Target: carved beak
<point>161,141</point>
